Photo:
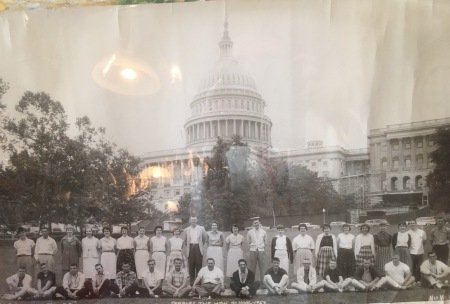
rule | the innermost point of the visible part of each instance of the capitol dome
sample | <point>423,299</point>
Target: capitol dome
<point>228,103</point>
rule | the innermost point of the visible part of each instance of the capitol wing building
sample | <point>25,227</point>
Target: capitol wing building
<point>392,169</point>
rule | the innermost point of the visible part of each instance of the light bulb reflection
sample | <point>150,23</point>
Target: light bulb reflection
<point>129,74</point>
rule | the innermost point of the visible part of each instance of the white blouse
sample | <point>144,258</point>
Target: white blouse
<point>280,243</point>
<point>90,245</point>
<point>141,242</point>
<point>176,243</point>
<point>158,243</point>
<point>107,244</point>
<point>402,239</point>
<point>125,242</point>
<point>346,240</point>
<point>234,241</point>
<point>302,242</point>
<point>362,240</point>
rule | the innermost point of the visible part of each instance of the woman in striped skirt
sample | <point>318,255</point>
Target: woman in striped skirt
<point>175,247</point>
<point>326,250</point>
<point>303,246</point>
<point>364,246</point>
<point>401,241</point>
<point>346,257</point>
<point>383,241</point>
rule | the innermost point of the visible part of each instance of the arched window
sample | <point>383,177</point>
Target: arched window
<point>394,183</point>
<point>406,183</point>
<point>419,182</point>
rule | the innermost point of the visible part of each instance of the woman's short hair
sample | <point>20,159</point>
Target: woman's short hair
<point>326,226</point>
<point>364,225</point>
<point>348,226</point>
<point>234,225</point>
<point>158,227</point>
<point>302,225</point>
<point>106,228</point>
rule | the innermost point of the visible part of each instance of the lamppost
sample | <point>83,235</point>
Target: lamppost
<point>323,211</point>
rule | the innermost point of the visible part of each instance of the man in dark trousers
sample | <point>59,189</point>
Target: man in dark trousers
<point>243,281</point>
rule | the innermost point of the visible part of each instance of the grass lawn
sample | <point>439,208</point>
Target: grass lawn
<point>8,267</point>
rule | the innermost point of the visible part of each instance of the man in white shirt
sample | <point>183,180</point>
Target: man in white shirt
<point>306,278</point>
<point>398,275</point>
<point>418,238</point>
<point>194,239</point>
<point>212,281</point>
<point>20,286</point>
<point>24,252</point>
<point>45,250</point>
<point>73,285</point>
<point>152,279</point>
<point>434,272</point>
<point>100,286</point>
<point>256,239</point>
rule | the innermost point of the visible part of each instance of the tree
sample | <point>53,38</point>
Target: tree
<point>438,180</point>
<point>184,208</point>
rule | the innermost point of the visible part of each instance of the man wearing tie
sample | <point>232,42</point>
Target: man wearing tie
<point>243,281</point>
<point>194,238</point>
<point>256,239</point>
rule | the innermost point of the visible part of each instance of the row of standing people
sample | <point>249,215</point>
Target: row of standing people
<point>348,250</point>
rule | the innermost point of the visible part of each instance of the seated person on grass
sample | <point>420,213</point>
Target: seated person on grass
<point>177,281</point>
<point>212,281</point>
<point>100,286</point>
<point>366,277</point>
<point>20,285</point>
<point>46,283</point>
<point>152,279</point>
<point>73,285</point>
<point>126,283</point>
<point>398,275</point>
<point>334,280</point>
<point>243,281</point>
<point>276,279</point>
<point>306,278</point>
<point>434,272</point>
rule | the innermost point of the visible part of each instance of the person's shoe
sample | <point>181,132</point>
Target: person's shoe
<point>59,296</point>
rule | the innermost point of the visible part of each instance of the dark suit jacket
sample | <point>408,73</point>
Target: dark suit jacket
<point>250,279</point>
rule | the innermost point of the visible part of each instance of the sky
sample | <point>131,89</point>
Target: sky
<point>328,70</point>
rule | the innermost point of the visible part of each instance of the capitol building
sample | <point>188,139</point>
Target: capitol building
<point>391,169</point>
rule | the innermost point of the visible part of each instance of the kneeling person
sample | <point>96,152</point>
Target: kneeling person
<point>177,281</point>
<point>434,272</point>
<point>366,277</point>
<point>20,285</point>
<point>73,285</point>
<point>211,281</point>
<point>276,279</point>
<point>334,280</point>
<point>243,281</point>
<point>306,278</point>
<point>398,275</point>
<point>46,283</point>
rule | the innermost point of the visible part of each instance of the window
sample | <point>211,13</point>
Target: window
<point>166,193</point>
<point>384,164</point>
<point>408,163</point>
<point>383,184</point>
<point>326,174</point>
<point>419,161</point>
<point>313,164</point>
<point>187,190</point>
<point>430,161</point>
<point>177,191</point>
<point>395,145</point>
<point>407,145</point>
<point>419,144</point>
<point>248,105</point>
<point>431,143</point>
<point>395,163</point>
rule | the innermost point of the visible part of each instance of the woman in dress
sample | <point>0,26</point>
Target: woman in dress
<point>214,239</point>
<point>282,249</point>
<point>90,254</point>
<point>158,249</point>
<point>326,250</point>
<point>401,241</point>
<point>142,252</point>
<point>364,246</point>
<point>71,250</point>
<point>107,247</point>
<point>125,245</point>
<point>346,257</point>
<point>383,254</point>
<point>303,246</point>
<point>233,245</point>
<point>175,247</point>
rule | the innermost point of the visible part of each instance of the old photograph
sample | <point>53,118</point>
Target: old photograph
<point>225,152</point>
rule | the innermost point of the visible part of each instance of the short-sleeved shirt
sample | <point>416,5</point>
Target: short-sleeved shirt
<point>334,274</point>
<point>398,272</point>
<point>44,279</point>
<point>440,236</point>
<point>24,247</point>
<point>177,278</point>
<point>152,278</point>
<point>276,277</point>
<point>210,276</point>
<point>417,239</point>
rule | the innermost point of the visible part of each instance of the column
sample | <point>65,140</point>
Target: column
<point>389,156</point>
<point>269,131</point>
<point>234,126</point>
<point>242,127</point>
<point>413,157</point>
<point>204,130</point>
<point>401,158</point>
<point>425,152</point>
<point>226,127</point>
<point>218,129</point>
<point>256,130</point>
